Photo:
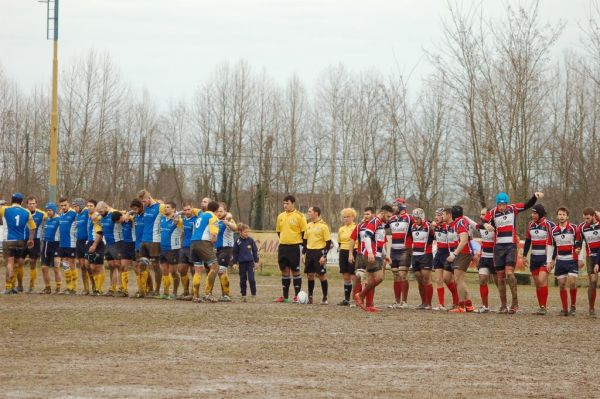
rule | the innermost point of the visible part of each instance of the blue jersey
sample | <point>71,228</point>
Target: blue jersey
<point>188,227</point>
<point>51,229</point>
<point>38,218</point>
<point>225,236</point>
<point>68,229</point>
<point>138,231</point>
<point>170,233</point>
<point>82,224</point>
<point>152,222</point>
<point>127,229</point>
<point>206,224</point>
<point>111,231</point>
<point>17,220</point>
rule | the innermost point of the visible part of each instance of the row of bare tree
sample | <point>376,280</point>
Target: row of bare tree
<point>499,113</point>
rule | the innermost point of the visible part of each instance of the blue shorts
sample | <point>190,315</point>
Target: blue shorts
<point>566,268</point>
<point>536,261</point>
<point>440,258</point>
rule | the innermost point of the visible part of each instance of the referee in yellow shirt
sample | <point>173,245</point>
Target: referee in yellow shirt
<point>345,247</point>
<point>290,228</point>
<point>317,241</point>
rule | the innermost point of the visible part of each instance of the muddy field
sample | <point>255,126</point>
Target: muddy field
<point>85,347</point>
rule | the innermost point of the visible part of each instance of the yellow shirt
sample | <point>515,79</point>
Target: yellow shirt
<point>291,227</point>
<point>317,234</point>
<point>344,233</point>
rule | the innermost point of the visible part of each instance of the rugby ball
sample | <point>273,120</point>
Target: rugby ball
<point>302,298</point>
<point>144,261</point>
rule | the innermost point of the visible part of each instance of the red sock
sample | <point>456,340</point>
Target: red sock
<point>573,296</point>
<point>563,298</point>
<point>538,294</point>
<point>422,293</point>
<point>369,297</point>
<point>468,302</point>
<point>397,290</point>
<point>452,288</point>
<point>428,294</point>
<point>484,291</point>
<point>441,294</point>
<point>358,288</point>
<point>461,304</point>
<point>405,286</point>
<point>593,300</point>
<point>543,296</point>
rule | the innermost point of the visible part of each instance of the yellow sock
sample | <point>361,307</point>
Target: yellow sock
<point>224,283</point>
<point>196,285</point>
<point>86,280</point>
<point>32,277</point>
<point>74,279</point>
<point>101,278</point>
<point>13,279</point>
<point>185,281</point>
<point>8,285</point>
<point>20,272</point>
<point>58,284</point>
<point>143,287</point>
<point>166,280</point>
<point>210,282</point>
<point>113,287</point>
<point>125,281</point>
<point>68,279</point>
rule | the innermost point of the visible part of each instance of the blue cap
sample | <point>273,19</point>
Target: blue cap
<point>52,206</point>
<point>18,196</point>
<point>502,198</point>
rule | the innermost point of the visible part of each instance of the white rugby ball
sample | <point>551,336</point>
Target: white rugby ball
<point>302,298</point>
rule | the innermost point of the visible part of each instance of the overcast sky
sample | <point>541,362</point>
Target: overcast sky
<point>170,46</point>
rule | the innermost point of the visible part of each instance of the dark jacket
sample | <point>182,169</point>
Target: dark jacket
<point>245,250</point>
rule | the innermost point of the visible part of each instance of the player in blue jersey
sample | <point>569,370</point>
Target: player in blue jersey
<point>150,248</point>
<point>67,244</point>
<point>185,257</point>
<point>144,279</point>
<point>127,250</point>
<point>112,233</point>
<point>202,250</point>
<point>171,230</point>
<point>224,246</point>
<point>81,235</point>
<point>49,249</point>
<point>17,220</point>
<point>95,248</point>
<point>32,253</point>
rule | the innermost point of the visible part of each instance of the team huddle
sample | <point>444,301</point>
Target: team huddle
<point>82,235</point>
<point>363,257</point>
<point>197,244</point>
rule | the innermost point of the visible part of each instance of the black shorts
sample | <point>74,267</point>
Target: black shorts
<point>401,258</point>
<point>487,263</point>
<point>224,256</point>
<point>185,257</point>
<point>505,254</point>
<point>440,258</point>
<point>422,262</point>
<point>34,252</point>
<point>311,262</point>
<point>170,256</point>
<point>66,253</point>
<point>127,250</point>
<point>96,257</point>
<point>14,248</point>
<point>288,256</point>
<point>345,266</point>
<point>566,268</point>
<point>114,251</point>
<point>535,262</point>
<point>49,250</point>
<point>80,249</point>
<point>150,250</point>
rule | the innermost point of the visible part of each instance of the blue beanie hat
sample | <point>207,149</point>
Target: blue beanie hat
<point>502,198</point>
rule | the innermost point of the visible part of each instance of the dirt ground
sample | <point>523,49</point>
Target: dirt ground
<point>55,346</point>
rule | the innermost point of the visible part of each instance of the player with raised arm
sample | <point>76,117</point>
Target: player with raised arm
<point>538,238</point>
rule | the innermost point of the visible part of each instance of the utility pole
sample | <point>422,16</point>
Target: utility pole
<point>52,34</point>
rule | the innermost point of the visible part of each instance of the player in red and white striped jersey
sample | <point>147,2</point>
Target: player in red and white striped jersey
<point>460,256</point>
<point>503,218</point>
<point>567,245</point>
<point>443,275</point>
<point>400,252</point>
<point>422,257</point>
<point>590,234</point>
<point>484,258</point>
<point>539,238</point>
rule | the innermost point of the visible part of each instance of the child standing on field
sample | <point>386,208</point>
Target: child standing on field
<point>245,253</point>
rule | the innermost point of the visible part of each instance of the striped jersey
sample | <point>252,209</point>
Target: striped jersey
<point>380,239</point>
<point>68,229</point>
<point>206,224</point>
<point>566,240</point>
<point>422,238</point>
<point>455,229</point>
<point>170,233</point>
<point>590,233</point>
<point>399,226</point>
<point>17,221</point>
<point>441,236</point>
<point>51,229</point>
<point>505,222</point>
<point>540,235</point>
<point>488,239</point>
<point>152,222</point>
<point>365,233</point>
